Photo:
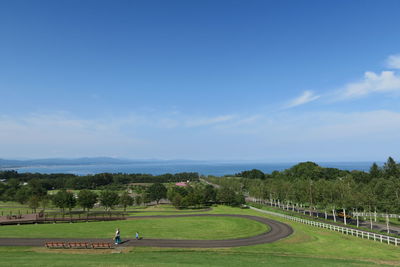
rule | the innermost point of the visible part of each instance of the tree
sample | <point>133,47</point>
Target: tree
<point>239,200</point>
<point>156,192</point>
<point>177,201</point>
<point>226,195</point>
<point>126,200</point>
<point>390,168</point>
<point>101,179</point>
<point>108,199</point>
<point>70,201</point>
<point>209,193</point>
<point>36,188</point>
<point>345,186</point>
<point>253,174</point>
<point>33,202</point>
<point>305,170</point>
<point>138,200</point>
<point>22,195</point>
<point>87,199</point>
<point>44,202</point>
<point>63,200</point>
<point>375,171</point>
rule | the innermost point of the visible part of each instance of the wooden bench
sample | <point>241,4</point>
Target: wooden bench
<point>102,245</point>
<point>78,245</point>
<point>56,245</point>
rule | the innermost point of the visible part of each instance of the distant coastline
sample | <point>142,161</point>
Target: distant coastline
<point>87,166</point>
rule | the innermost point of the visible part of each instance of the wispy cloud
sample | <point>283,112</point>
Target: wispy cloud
<point>196,122</point>
<point>275,136</point>
<point>306,97</point>
<point>63,135</point>
<point>386,81</point>
<point>393,61</point>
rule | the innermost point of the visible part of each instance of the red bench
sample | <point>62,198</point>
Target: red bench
<point>102,245</point>
<point>79,245</point>
<point>56,245</point>
<point>83,245</point>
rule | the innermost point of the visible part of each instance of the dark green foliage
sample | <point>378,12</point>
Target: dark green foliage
<point>177,201</point>
<point>22,195</point>
<point>99,181</point>
<point>34,202</point>
<point>209,194</point>
<point>108,199</point>
<point>324,188</point>
<point>375,171</point>
<point>390,169</point>
<point>198,195</point>
<point>63,200</point>
<point>253,174</point>
<point>227,196</point>
<point>87,199</point>
<point>126,200</point>
<point>156,192</point>
<point>139,200</point>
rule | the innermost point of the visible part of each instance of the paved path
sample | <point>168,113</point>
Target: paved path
<point>277,231</point>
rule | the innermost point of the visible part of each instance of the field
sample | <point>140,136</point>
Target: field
<point>17,208</point>
<point>168,228</point>
<point>308,246</point>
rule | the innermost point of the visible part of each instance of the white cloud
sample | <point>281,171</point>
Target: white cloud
<point>277,136</point>
<point>196,122</point>
<point>306,97</point>
<point>42,135</point>
<point>393,61</point>
<point>386,81</point>
<point>323,136</point>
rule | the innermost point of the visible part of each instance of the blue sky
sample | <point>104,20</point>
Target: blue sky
<point>219,80</point>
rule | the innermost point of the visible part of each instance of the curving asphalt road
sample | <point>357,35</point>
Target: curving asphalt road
<point>277,231</point>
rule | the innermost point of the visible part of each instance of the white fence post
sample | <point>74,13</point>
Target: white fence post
<point>353,232</point>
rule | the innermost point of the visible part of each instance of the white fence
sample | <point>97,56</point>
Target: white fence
<point>373,214</point>
<point>344,230</point>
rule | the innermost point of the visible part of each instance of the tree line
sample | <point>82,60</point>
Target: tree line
<point>310,185</point>
<point>201,195</point>
<point>21,186</point>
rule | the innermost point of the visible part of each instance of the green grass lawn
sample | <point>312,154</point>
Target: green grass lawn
<point>17,208</point>
<point>205,228</point>
<point>308,246</point>
<point>163,257</point>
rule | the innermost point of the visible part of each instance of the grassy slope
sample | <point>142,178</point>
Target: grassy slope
<point>308,246</point>
<point>164,257</point>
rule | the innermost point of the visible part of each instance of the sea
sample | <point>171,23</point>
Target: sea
<point>208,168</point>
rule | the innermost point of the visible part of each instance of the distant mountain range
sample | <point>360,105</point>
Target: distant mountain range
<point>7,163</point>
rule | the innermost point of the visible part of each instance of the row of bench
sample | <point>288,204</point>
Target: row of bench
<point>78,245</point>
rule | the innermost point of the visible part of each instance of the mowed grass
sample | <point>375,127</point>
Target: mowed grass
<point>204,228</point>
<point>162,257</point>
<point>11,207</point>
<point>308,246</point>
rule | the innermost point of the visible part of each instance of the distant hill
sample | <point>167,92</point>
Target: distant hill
<point>5,163</point>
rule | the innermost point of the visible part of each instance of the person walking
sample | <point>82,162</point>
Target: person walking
<point>117,237</point>
<point>137,235</point>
